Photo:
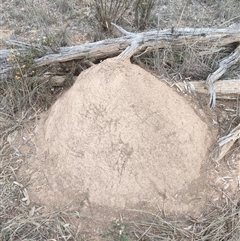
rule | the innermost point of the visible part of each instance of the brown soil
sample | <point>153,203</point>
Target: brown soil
<point>119,140</point>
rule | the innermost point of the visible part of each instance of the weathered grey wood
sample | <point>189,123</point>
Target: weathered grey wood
<point>129,45</point>
<point>225,89</point>
<point>136,43</point>
<point>225,143</point>
<point>141,41</point>
<point>224,65</point>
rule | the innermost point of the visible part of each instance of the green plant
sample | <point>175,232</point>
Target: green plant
<point>118,231</point>
<point>55,40</point>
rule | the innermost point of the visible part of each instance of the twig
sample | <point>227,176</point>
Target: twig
<point>226,142</point>
<point>224,65</point>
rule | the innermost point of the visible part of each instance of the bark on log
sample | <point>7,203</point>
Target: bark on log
<point>137,43</point>
<point>133,43</point>
<point>225,89</point>
<point>126,46</point>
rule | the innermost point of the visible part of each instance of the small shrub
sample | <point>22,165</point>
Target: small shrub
<point>63,6</point>
<point>118,231</point>
<point>108,11</point>
<point>55,40</point>
<point>21,95</point>
<point>142,11</point>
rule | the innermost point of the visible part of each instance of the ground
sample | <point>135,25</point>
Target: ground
<point>40,171</point>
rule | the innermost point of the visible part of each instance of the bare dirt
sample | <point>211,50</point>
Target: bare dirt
<point>121,140</point>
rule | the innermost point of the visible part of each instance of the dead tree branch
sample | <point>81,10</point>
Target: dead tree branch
<point>224,65</point>
<point>134,44</point>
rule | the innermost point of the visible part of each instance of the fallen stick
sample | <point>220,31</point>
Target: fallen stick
<point>225,89</point>
<point>224,65</point>
<point>225,143</point>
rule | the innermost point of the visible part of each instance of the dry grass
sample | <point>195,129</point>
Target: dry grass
<point>20,220</point>
<point>21,97</point>
<point>222,223</point>
<point>186,62</point>
<point>194,61</point>
<point>110,11</point>
<point>61,23</point>
<point>114,11</point>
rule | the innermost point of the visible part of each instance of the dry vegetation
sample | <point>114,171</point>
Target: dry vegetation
<point>64,23</point>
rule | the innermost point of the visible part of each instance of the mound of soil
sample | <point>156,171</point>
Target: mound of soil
<point>121,139</point>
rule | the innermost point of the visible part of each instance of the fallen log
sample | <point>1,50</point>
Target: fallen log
<point>134,44</point>
<point>126,46</point>
<point>225,89</point>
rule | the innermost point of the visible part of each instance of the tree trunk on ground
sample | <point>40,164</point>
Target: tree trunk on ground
<point>131,44</point>
<point>126,46</point>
